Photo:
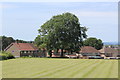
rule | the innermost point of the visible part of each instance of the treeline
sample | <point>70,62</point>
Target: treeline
<point>5,41</point>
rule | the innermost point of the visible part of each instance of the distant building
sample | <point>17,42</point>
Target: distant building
<point>85,52</point>
<point>89,52</point>
<point>58,53</point>
<point>24,49</point>
<point>109,52</point>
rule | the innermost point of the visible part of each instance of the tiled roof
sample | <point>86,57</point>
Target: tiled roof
<point>88,49</point>
<point>24,46</point>
<point>109,50</point>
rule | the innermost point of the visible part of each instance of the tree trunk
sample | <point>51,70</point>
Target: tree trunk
<point>71,52</point>
<point>50,52</point>
<point>61,52</point>
<point>57,51</point>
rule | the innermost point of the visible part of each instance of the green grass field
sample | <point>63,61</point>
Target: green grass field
<point>59,68</point>
<point>0,70</point>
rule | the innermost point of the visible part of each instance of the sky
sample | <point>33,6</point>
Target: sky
<point>21,20</point>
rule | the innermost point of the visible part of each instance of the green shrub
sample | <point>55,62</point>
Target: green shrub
<point>6,55</point>
<point>3,57</point>
<point>9,56</point>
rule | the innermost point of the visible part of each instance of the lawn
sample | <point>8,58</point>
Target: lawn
<point>0,70</point>
<point>59,68</point>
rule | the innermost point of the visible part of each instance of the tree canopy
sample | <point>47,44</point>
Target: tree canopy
<point>94,42</point>
<point>6,41</point>
<point>61,32</point>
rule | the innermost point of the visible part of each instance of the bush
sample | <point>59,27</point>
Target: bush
<point>9,56</point>
<point>3,57</point>
<point>6,55</point>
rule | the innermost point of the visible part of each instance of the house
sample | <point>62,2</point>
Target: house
<point>85,52</point>
<point>58,53</point>
<point>89,52</point>
<point>23,49</point>
<point>109,52</point>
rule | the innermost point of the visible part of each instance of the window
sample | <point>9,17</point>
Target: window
<point>33,51</point>
<point>37,51</point>
<point>22,51</point>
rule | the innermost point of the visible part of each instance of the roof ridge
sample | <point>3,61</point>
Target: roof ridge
<point>89,49</point>
<point>8,46</point>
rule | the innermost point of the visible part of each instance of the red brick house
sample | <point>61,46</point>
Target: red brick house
<point>23,49</point>
<point>88,52</point>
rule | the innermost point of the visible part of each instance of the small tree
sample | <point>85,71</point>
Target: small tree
<point>94,42</point>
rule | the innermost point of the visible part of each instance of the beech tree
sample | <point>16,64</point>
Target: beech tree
<point>61,32</point>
